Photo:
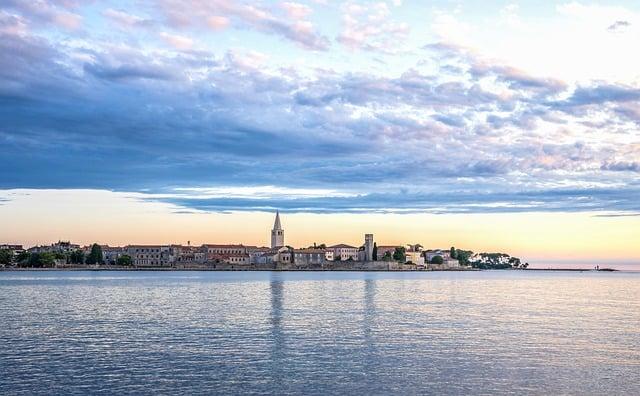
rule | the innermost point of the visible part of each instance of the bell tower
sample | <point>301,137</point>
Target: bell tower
<point>277,233</point>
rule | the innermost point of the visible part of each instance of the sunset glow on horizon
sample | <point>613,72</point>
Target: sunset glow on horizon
<point>87,216</point>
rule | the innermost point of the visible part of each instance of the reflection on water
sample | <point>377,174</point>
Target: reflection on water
<point>277,337</point>
<point>320,333</point>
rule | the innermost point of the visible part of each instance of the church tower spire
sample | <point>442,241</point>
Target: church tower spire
<point>277,233</point>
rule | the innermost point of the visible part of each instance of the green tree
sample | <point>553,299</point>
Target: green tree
<point>437,260</point>
<point>399,254</point>
<point>6,256</point>
<point>387,256</point>
<point>34,260</point>
<point>124,260</point>
<point>337,257</point>
<point>374,256</point>
<point>95,257</point>
<point>76,257</point>
<point>23,257</point>
<point>463,256</point>
<point>39,260</point>
<point>47,259</point>
<point>453,253</point>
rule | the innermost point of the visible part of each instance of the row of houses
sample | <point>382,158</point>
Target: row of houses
<point>242,256</point>
<point>239,255</point>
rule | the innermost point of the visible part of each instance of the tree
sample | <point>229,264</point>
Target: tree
<point>387,256</point>
<point>337,257</point>
<point>47,259</point>
<point>95,257</point>
<point>124,260</point>
<point>76,257</point>
<point>463,256</point>
<point>23,257</point>
<point>514,261</point>
<point>399,254</point>
<point>374,256</point>
<point>6,256</point>
<point>38,260</point>
<point>34,260</point>
<point>453,253</point>
<point>437,260</point>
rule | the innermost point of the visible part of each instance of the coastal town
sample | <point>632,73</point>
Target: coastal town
<point>278,256</point>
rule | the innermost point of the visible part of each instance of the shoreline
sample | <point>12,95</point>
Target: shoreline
<point>157,269</point>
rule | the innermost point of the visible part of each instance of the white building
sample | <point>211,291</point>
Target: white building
<point>344,252</point>
<point>414,257</point>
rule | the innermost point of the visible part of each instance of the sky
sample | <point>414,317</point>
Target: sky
<point>493,125</point>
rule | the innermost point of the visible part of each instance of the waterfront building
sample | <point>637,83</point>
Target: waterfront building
<point>58,247</point>
<point>268,257</point>
<point>212,249</point>
<point>328,254</point>
<point>229,258</point>
<point>151,255</point>
<point>384,249</point>
<point>414,257</point>
<point>303,257</point>
<point>277,233</point>
<point>110,254</point>
<point>189,255</point>
<point>430,254</point>
<point>16,249</point>
<point>447,261</point>
<point>344,252</point>
<point>255,253</point>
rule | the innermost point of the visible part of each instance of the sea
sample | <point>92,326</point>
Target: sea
<point>320,333</point>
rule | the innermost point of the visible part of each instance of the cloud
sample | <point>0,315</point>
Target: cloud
<point>218,14</point>
<point>54,13</point>
<point>369,27</point>
<point>217,22</point>
<point>555,200</point>
<point>618,26</point>
<point>621,166</point>
<point>599,94</point>
<point>177,41</point>
<point>125,19</point>
<point>209,131</point>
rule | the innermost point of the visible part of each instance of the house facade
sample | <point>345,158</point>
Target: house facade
<point>344,252</point>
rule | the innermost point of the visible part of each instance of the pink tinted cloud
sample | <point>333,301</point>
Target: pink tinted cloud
<point>48,12</point>
<point>290,23</point>
<point>369,27</point>
<point>217,22</point>
<point>177,41</point>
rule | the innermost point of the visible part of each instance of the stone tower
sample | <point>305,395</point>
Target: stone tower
<point>368,247</point>
<point>277,234</point>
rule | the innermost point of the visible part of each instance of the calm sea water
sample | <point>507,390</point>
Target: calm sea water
<point>491,332</point>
